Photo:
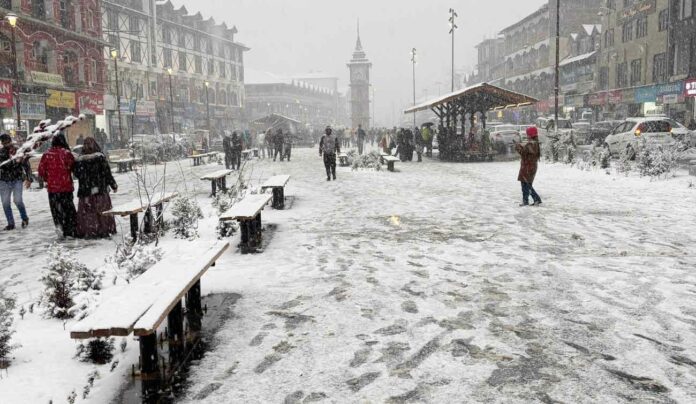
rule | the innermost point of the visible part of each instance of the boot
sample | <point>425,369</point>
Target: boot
<point>9,227</point>
<point>25,223</point>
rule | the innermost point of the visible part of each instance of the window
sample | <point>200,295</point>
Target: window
<point>636,71</point>
<point>222,70</point>
<point>38,9</point>
<point>627,34</point>
<point>659,68</point>
<point>112,20</point>
<point>167,57</point>
<point>93,71</point>
<point>199,64</point>
<point>211,67</point>
<point>153,88</point>
<point>182,40</point>
<point>603,78</point>
<point>70,68</point>
<point>685,8</point>
<point>136,52</point>
<point>182,61</point>
<point>134,24</point>
<point>113,41</point>
<point>167,36</point>
<point>621,75</point>
<point>609,38</point>
<point>642,27</point>
<point>209,46</point>
<point>663,21</point>
<point>196,43</point>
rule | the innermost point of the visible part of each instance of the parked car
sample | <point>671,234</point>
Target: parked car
<point>546,128</point>
<point>582,131</point>
<point>681,133</point>
<point>627,136</point>
<point>600,130</point>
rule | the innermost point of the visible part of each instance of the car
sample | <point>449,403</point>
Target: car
<point>626,137</point>
<point>504,140</point>
<point>681,133</point>
<point>547,130</point>
<point>600,130</point>
<point>582,131</point>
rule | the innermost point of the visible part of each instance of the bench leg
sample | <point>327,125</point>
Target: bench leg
<point>148,225</point>
<point>223,183</point>
<point>278,198</point>
<point>194,310</point>
<point>390,166</point>
<point>134,226</point>
<point>244,230</point>
<point>258,234</point>
<point>213,186</point>
<point>149,365</point>
<point>175,333</point>
<point>160,216</point>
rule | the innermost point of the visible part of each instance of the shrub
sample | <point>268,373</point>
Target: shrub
<point>97,350</point>
<point>135,259</point>
<point>656,161</point>
<point>186,213</point>
<point>368,161</point>
<point>7,305</point>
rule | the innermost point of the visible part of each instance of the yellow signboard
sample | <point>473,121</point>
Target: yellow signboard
<point>60,99</point>
<point>47,79</point>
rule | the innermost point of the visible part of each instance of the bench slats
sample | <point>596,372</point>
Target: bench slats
<point>278,181</point>
<point>390,158</point>
<point>125,305</point>
<point>217,175</point>
<point>138,206</point>
<point>247,208</point>
<point>179,280</point>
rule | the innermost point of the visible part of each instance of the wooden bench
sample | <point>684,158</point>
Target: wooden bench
<point>133,208</point>
<point>198,158</point>
<point>246,154</point>
<point>119,154</point>
<point>343,160</point>
<point>218,180</point>
<point>141,307</point>
<point>382,155</point>
<point>390,160</point>
<point>277,184</point>
<point>248,213</point>
<point>255,152</point>
<point>125,165</point>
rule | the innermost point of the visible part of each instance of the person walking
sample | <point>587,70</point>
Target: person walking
<point>361,139</point>
<point>418,143</point>
<point>287,144</point>
<point>278,141</point>
<point>531,154</point>
<point>261,144</point>
<point>237,146</point>
<point>329,146</point>
<point>13,173</point>
<point>94,179</point>
<point>269,143</point>
<point>56,169</point>
<point>227,149</point>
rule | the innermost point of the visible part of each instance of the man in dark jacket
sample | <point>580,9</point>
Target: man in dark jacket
<point>361,139</point>
<point>227,149</point>
<point>56,169</point>
<point>13,172</point>
<point>329,146</point>
<point>278,141</point>
<point>236,144</point>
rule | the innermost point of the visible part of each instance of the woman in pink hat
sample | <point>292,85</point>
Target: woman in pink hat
<point>531,154</point>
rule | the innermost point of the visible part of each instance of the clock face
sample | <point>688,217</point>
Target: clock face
<point>358,75</point>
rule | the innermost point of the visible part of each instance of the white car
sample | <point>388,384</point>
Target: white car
<point>547,130</point>
<point>628,136</point>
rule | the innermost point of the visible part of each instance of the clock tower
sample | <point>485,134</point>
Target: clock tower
<point>359,68</point>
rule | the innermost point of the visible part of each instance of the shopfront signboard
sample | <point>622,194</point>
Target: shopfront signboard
<point>60,99</point>
<point>90,103</point>
<point>33,106</point>
<point>597,99</point>
<point>690,88</point>
<point>145,108</point>
<point>47,79</point>
<point>645,94</point>
<point>6,97</point>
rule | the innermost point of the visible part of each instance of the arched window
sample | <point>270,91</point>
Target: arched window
<point>222,97</point>
<point>211,96</point>
<point>40,53</point>
<point>71,68</point>
<point>234,99</point>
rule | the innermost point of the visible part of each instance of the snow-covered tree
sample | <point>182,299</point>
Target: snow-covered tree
<point>369,161</point>
<point>7,305</point>
<point>135,259</point>
<point>97,350</point>
<point>656,161</point>
<point>186,213</point>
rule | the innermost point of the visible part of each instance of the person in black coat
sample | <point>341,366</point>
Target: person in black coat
<point>13,173</point>
<point>227,149</point>
<point>95,180</point>
<point>278,142</point>
<point>236,145</point>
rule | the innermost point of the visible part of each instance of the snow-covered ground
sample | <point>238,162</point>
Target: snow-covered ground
<point>425,285</point>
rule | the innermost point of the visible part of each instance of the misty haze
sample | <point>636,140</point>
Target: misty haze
<point>306,201</point>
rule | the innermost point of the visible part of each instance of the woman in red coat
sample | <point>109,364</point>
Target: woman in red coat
<point>530,153</point>
<point>56,169</point>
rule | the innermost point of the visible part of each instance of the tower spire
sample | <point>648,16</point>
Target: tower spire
<point>358,44</point>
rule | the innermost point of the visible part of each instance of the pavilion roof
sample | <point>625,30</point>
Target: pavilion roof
<point>483,95</point>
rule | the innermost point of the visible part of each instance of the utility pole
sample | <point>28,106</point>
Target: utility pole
<point>114,55</point>
<point>557,85</point>
<point>207,104</point>
<point>12,19</point>
<point>453,27</point>
<point>171,98</point>
<point>413,62</point>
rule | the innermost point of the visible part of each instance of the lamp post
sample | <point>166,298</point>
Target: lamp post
<point>374,118</point>
<point>12,19</point>
<point>557,80</point>
<point>207,104</point>
<point>413,62</point>
<point>114,56</point>
<point>453,27</point>
<point>171,97</point>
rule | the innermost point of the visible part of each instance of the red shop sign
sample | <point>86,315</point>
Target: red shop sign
<point>90,103</point>
<point>6,99</point>
<point>597,99</point>
<point>615,97</point>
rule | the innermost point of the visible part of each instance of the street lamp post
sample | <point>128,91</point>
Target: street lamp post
<point>413,62</point>
<point>207,104</point>
<point>374,118</point>
<point>114,56</point>
<point>557,81</point>
<point>171,98</point>
<point>12,19</point>
<point>453,27</point>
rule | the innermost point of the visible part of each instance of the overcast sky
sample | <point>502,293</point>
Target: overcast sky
<point>292,37</point>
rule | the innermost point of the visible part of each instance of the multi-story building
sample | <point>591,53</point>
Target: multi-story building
<point>579,70</point>
<point>490,68</point>
<point>359,67</point>
<point>633,63</point>
<point>682,54</point>
<point>177,72</point>
<point>59,59</point>
<point>311,104</point>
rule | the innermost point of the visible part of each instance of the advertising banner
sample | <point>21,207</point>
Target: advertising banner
<point>33,106</point>
<point>90,103</point>
<point>690,88</point>
<point>47,79</point>
<point>60,99</point>
<point>6,98</point>
<point>145,108</point>
<point>645,94</point>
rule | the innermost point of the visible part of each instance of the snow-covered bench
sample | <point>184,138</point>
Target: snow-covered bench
<point>125,165</point>
<point>198,158</point>
<point>218,179</point>
<point>255,152</point>
<point>277,184</point>
<point>390,160</point>
<point>382,155</point>
<point>141,307</point>
<point>343,160</point>
<point>248,213</point>
<point>135,207</point>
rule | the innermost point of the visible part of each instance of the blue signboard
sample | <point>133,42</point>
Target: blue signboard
<point>676,87</point>
<point>645,94</point>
